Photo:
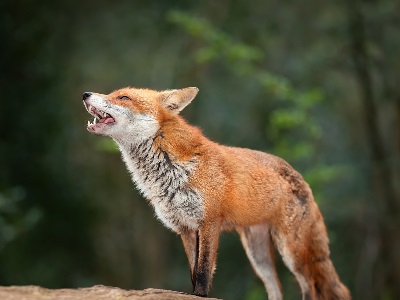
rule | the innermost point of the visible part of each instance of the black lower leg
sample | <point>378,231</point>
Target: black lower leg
<point>202,284</point>
<point>193,274</point>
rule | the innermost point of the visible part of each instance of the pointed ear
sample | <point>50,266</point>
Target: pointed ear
<point>176,100</point>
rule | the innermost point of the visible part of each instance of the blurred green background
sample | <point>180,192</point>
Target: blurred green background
<point>315,82</point>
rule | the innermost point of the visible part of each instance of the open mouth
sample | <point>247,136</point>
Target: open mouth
<point>100,118</point>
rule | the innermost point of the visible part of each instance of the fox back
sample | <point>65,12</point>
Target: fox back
<point>199,188</point>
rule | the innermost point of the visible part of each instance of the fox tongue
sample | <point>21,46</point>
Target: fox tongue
<point>107,120</point>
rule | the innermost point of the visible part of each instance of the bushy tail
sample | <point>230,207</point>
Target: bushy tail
<point>327,284</point>
<point>325,281</point>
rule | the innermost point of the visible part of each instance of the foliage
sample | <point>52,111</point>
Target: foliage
<point>14,219</point>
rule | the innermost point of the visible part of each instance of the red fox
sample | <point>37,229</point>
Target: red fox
<point>199,188</point>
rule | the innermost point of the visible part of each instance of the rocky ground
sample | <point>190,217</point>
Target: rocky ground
<point>97,292</point>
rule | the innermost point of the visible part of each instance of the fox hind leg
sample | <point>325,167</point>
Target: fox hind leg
<point>305,252</point>
<point>256,241</point>
<point>288,258</point>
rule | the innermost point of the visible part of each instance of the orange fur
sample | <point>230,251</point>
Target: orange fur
<point>257,194</point>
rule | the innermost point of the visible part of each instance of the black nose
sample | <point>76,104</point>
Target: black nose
<point>86,95</point>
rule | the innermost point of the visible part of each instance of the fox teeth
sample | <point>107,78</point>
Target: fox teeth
<point>88,123</point>
<point>94,120</point>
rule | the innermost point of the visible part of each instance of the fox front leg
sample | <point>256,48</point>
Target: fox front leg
<point>207,253</point>
<point>190,240</point>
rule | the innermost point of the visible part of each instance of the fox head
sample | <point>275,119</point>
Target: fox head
<point>134,113</point>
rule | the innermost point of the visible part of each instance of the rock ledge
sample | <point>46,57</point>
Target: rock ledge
<point>97,292</point>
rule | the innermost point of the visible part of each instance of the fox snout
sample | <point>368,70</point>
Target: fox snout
<point>86,95</point>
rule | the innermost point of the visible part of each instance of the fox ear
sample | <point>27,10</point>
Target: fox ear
<point>176,100</point>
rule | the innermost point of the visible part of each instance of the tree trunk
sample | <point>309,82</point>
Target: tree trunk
<point>386,204</point>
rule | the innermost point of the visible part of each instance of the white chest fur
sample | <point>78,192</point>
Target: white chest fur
<point>164,182</point>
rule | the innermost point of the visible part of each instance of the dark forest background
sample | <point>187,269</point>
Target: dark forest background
<point>315,82</point>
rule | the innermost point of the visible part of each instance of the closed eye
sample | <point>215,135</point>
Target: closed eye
<point>124,98</point>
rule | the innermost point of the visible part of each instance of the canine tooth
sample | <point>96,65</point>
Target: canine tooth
<point>88,123</point>
<point>94,120</point>
<point>105,115</point>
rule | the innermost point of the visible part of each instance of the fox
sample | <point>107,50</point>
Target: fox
<point>199,188</point>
